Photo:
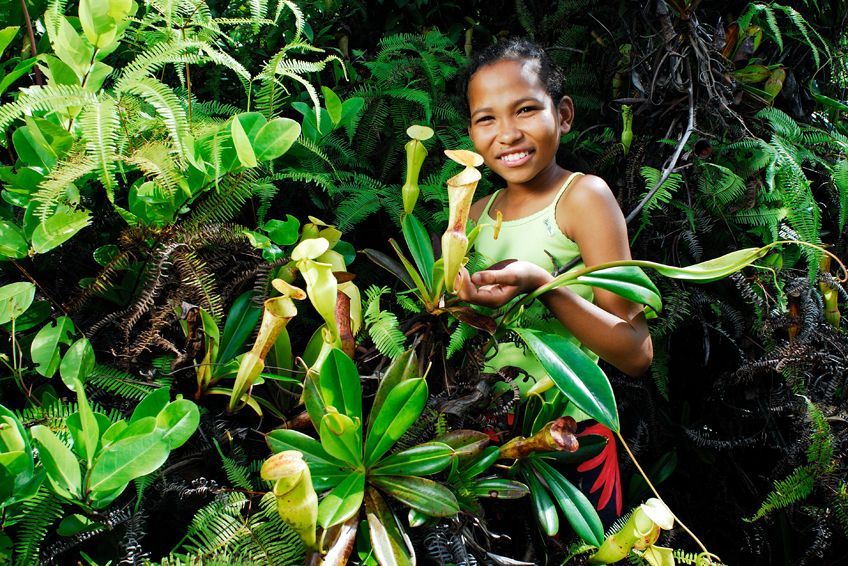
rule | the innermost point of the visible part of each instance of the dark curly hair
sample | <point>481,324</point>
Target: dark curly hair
<point>517,49</point>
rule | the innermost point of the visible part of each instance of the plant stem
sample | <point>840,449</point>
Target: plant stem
<point>38,79</point>
<point>707,553</point>
<point>40,288</point>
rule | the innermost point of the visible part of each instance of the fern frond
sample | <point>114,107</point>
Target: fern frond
<point>43,99</point>
<point>225,203</point>
<point>663,195</point>
<point>196,276</point>
<point>155,160</point>
<point>383,326</point>
<point>839,176</point>
<point>100,122</point>
<point>167,106</point>
<point>460,335</point>
<point>39,513</point>
<point>820,451</point>
<point>120,383</point>
<point>722,185</point>
<point>797,486</point>
<point>152,59</point>
<point>55,186</point>
<point>781,123</point>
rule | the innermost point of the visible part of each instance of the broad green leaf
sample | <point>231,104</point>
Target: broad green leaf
<point>37,313</point>
<point>481,463</point>
<point>242,320</point>
<point>389,265</point>
<point>334,105</point>
<point>420,247</point>
<point>44,349</point>
<point>466,443</point>
<point>76,524</point>
<point>499,488</point>
<point>421,460</point>
<point>575,374</point>
<point>77,364</point>
<point>63,471</point>
<point>21,69</point>
<point>7,34</point>
<point>713,269</point>
<point>90,427</point>
<point>71,49</point>
<point>326,470</point>
<point>178,420</point>
<point>590,446</point>
<point>244,149</point>
<point>127,459</point>
<point>283,232</point>
<point>422,494</point>
<point>402,407</point>
<point>58,229</point>
<point>422,289</point>
<point>341,438</point>
<point>32,148</point>
<point>626,281</point>
<point>141,427</point>
<point>113,432</point>
<point>340,387</point>
<point>152,404</point>
<point>543,506</point>
<point>343,502</point>
<point>390,543</point>
<point>351,109</point>
<point>402,368</point>
<point>100,19</point>
<point>578,510</point>
<point>15,299</point>
<point>275,138</point>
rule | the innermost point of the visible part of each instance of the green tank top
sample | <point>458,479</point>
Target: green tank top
<point>536,238</point>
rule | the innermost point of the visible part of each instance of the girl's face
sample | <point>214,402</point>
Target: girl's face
<point>515,125</point>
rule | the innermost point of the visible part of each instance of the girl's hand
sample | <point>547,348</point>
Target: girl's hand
<point>500,283</point>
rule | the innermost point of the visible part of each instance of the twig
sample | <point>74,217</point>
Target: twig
<point>674,158</point>
<point>709,555</point>
<point>38,79</point>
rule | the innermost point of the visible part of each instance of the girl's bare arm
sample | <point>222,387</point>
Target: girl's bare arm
<point>612,327</point>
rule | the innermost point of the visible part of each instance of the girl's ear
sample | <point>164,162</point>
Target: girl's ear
<point>566,113</point>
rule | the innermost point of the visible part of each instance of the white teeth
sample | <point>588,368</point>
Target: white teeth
<point>515,156</point>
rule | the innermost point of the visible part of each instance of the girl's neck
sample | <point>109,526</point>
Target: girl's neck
<point>548,180</point>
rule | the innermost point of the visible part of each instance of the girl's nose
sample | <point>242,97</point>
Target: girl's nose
<point>508,133</point>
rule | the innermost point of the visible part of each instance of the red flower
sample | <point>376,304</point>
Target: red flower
<point>609,477</point>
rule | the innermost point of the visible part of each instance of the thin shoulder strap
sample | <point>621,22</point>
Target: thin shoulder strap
<point>489,205</point>
<point>565,187</point>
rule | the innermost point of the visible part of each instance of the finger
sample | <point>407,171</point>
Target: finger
<point>499,277</point>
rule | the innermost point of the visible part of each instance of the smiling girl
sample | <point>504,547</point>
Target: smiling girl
<point>551,216</point>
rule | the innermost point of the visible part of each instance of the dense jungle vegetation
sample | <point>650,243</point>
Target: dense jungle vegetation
<point>198,198</point>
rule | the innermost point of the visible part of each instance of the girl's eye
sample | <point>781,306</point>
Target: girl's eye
<point>526,109</point>
<point>484,119</point>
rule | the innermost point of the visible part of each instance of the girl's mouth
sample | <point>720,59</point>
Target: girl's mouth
<point>516,158</point>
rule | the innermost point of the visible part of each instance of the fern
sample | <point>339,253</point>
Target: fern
<point>122,384</point>
<point>797,486</point>
<point>38,514</point>
<point>840,181</point>
<point>221,529</point>
<point>383,325</point>
<point>167,106</point>
<point>820,452</point>
<point>663,195</point>
<point>53,190</point>
<point>722,185</point>
<point>237,473</point>
<point>460,335</point>
<point>44,99</point>
<point>100,123</point>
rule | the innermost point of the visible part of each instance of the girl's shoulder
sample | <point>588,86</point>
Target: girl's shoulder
<point>479,206</point>
<point>589,204</point>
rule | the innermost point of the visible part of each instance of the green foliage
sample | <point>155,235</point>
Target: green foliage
<point>382,325</point>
